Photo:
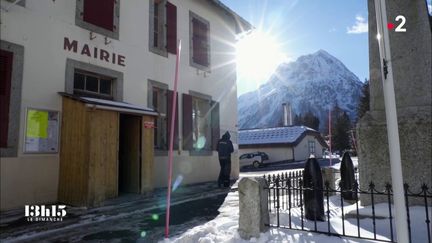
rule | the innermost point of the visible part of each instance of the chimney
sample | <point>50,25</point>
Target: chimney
<point>290,118</point>
<point>287,115</point>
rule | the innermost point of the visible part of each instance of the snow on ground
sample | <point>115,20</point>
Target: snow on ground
<point>354,160</point>
<point>224,227</point>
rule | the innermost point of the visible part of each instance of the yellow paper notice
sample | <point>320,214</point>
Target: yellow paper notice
<point>37,124</point>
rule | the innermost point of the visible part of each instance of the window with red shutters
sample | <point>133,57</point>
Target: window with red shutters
<point>99,13</point>
<point>170,96</point>
<point>200,120</point>
<point>200,42</point>
<point>163,27</point>
<point>6,59</point>
<point>171,24</point>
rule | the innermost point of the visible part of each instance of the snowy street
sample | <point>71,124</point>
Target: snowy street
<point>131,218</point>
<point>197,217</point>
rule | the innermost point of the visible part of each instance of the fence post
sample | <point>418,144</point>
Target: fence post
<point>253,207</point>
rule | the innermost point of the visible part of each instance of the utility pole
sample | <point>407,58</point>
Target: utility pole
<point>392,122</point>
<point>330,137</point>
<point>171,141</point>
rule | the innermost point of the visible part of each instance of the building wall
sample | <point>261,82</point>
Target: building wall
<point>275,154</point>
<point>301,150</point>
<point>40,27</point>
<point>411,57</point>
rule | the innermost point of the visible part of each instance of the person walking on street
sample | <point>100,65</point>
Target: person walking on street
<point>224,148</point>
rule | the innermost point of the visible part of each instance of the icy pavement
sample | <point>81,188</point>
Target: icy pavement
<point>133,218</point>
<point>288,165</point>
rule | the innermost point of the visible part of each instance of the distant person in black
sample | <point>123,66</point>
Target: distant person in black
<point>225,148</point>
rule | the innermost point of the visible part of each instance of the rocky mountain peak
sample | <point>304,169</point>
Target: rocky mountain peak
<point>314,82</point>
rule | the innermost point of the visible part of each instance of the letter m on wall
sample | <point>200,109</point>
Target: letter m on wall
<point>70,46</point>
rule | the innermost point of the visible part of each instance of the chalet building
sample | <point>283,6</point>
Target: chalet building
<point>288,143</point>
<point>86,92</point>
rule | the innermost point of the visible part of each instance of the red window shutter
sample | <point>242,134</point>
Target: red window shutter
<point>195,39</point>
<point>187,122</point>
<point>215,126</point>
<point>99,13</point>
<point>170,96</point>
<point>171,21</point>
<point>6,59</point>
<point>200,42</point>
<point>204,44</point>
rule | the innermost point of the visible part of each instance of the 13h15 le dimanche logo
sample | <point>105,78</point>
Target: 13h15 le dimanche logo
<point>42,213</point>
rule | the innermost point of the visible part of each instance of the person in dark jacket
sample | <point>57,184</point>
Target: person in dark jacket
<point>224,148</point>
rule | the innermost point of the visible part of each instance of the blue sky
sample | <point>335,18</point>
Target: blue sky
<point>303,27</point>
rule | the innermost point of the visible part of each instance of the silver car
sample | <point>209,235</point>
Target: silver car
<point>256,159</point>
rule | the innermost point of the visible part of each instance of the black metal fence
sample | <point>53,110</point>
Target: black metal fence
<point>286,205</point>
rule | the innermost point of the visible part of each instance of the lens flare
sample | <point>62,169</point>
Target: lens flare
<point>258,55</point>
<point>143,234</point>
<point>155,217</point>
<point>177,182</point>
<point>200,142</point>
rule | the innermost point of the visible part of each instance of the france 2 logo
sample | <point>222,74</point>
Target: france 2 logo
<point>400,27</point>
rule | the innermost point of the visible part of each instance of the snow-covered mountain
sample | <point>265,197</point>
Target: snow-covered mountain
<point>314,82</point>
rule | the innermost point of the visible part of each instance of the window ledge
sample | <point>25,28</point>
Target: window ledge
<point>160,152</point>
<point>200,152</point>
<point>159,51</point>
<point>200,67</point>
<point>90,27</point>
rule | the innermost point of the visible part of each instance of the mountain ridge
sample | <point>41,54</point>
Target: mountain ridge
<point>315,82</point>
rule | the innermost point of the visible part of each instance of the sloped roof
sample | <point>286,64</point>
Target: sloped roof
<point>277,135</point>
<point>243,25</point>
<point>101,103</point>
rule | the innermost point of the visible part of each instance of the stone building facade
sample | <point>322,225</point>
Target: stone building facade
<point>412,70</point>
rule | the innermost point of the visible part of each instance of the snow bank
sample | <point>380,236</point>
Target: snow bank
<point>224,227</point>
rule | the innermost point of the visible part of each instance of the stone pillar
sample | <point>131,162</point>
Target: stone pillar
<point>331,175</point>
<point>411,60</point>
<point>253,203</point>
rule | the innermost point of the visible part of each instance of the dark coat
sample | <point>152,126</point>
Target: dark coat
<point>225,146</point>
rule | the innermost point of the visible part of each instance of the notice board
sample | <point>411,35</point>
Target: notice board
<point>42,131</point>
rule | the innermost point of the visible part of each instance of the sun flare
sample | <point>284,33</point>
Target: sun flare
<point>257,55</point>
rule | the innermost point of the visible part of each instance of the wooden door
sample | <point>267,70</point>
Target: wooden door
<point>102,140</point>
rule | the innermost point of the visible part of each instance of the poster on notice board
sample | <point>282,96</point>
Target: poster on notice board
<point>42,130</point>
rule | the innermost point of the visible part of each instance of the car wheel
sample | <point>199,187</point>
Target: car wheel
<point>256,164</point>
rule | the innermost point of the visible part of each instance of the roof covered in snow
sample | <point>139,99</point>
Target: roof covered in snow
<point>276,135</point>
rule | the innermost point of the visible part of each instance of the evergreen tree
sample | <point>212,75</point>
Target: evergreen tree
<point>340,132</point>
<point>363,105</point>
<point>308,119</point>
<point>297,120</point>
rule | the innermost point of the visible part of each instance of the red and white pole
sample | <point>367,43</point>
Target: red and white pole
<point>330,137</point>
<point>171,142</point>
